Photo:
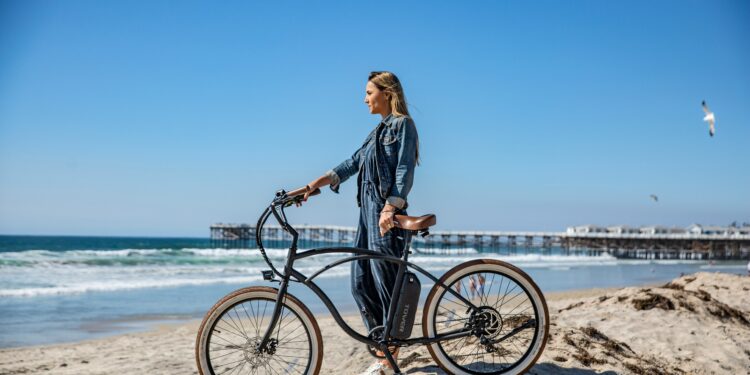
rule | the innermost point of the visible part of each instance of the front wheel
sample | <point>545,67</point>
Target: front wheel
<point>228,337</point>
<point>508,330</point>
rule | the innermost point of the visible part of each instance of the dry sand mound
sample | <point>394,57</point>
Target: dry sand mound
<point>696,324</point>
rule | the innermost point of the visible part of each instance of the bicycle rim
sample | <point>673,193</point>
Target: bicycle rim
<point>512,316</point>
<point>233,329</point>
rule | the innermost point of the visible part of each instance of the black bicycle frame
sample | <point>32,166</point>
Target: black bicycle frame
<point>360,254</point>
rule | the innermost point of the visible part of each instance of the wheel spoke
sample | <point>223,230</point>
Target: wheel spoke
<point>238,329</point>
<point>504,308</point>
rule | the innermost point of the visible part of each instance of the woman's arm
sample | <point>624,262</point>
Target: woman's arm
<point>340,173</point>
<point>348,167</point>
<point>406,163</point>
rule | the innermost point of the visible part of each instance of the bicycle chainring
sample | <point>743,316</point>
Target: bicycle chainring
<point>375,334</point>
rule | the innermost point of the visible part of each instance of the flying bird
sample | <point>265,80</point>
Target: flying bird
<point>655,198</point>
<point>709,118</point>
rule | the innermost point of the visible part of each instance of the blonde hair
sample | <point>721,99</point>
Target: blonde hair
<point>391,86</point>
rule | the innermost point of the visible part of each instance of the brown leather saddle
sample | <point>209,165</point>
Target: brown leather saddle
<point>415,223</point>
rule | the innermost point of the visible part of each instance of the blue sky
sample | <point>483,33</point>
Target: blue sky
<point>161,117</point>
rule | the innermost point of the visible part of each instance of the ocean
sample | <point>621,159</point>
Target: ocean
<point>61,288</point>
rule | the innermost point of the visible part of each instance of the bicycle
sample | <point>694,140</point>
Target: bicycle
<point>486,333</point>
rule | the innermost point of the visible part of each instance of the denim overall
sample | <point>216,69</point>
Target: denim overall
<point>372,280</point>
<point>385,163</point>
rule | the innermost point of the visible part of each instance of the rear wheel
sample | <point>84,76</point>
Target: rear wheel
<point>508,331</point>
<point>228,337</point>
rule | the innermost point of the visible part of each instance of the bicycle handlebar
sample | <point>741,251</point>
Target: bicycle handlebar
<point>295,196</point>
<point>282,200</point>
<point>302,191</point>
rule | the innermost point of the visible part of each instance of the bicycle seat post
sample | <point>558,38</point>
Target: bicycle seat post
<point>407,249</point>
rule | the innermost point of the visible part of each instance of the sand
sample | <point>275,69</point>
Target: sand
<point>697,324</point>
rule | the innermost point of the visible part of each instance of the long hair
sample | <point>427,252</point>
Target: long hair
<point>391,86</point>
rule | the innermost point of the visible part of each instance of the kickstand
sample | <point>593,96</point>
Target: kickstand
<point>392,361</point>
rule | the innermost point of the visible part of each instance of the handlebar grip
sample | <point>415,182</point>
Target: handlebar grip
<point>302,191</point>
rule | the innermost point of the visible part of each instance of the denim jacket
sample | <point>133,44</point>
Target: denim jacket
<point>396,155</point>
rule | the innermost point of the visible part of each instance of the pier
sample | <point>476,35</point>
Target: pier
<point>639,243</point>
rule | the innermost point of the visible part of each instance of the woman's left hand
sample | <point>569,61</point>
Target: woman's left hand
<point>386,219</point>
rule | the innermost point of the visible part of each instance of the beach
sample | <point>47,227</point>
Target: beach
<point>695,324</point>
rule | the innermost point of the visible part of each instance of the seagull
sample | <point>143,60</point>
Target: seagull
<point>709,118</point>
<point>655,198</point>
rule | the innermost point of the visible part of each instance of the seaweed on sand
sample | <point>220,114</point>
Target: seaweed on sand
<point>592,347</point>
<point>702,294</point>
<point>649,369</point>
<point>571,306</point>
<point>671,285</point>
<point>653,300</point>
<point>725,312</point>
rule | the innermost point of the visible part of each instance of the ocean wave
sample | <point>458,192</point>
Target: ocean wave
<point>530,259</point>
<point>130,279</point>
<point>226,257</point>
<point>43,272</point>
<point>109,286</point>
<point>135,257</point>
<point>451,251</point>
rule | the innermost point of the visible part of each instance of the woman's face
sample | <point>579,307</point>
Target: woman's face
<point>376,100</point>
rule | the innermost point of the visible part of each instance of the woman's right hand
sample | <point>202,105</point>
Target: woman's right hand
<point>315,184</point>
<point>309,188</point>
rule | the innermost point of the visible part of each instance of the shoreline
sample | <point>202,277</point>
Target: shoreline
<point>695,336</point>
<point>107,327</point>
<point>100,329</point>
<point>161,322</point>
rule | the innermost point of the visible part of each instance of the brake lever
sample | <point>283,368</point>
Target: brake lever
<point>293,200</point>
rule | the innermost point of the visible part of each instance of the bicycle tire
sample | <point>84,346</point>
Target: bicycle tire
<point>447,360</point>
<point>230,334</point>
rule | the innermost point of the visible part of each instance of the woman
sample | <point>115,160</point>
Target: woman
<point>384,165</point>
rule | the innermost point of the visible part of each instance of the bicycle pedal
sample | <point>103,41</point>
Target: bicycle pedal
<point>268,275</point>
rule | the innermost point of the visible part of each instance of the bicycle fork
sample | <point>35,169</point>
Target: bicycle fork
<point>281,218</point>
<point>280,296</point>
